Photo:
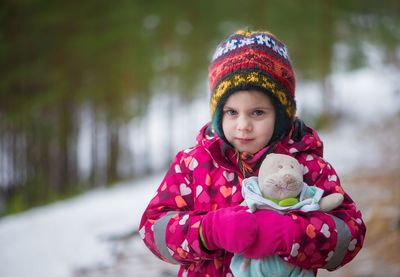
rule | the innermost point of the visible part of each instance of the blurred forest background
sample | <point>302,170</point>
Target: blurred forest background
<point>78,78</point>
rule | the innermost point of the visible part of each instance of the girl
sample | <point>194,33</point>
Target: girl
<point>196,220</point>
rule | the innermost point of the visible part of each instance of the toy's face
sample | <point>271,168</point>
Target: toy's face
<point>280,177</point>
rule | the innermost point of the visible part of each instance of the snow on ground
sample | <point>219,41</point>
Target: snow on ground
<point>68,238</point>
<point>57,239</point>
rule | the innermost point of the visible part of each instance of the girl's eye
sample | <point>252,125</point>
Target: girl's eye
<point>230,112</point>
<point>280,166</point>
<point>258,112</point>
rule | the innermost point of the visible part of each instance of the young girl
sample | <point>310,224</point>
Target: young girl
<point>196,220</point>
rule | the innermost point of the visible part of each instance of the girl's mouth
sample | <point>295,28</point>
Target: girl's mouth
<point>244,140</point>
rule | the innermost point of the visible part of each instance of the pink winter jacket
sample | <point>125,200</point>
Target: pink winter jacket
<point>207,177</point>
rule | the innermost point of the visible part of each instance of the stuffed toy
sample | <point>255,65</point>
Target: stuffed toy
<point>280,187</point>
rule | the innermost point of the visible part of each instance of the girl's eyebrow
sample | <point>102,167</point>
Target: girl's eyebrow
<point>263,108</point>
<point>227,107</point>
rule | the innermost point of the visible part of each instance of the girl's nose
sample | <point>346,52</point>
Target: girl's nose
<point>243,124</point>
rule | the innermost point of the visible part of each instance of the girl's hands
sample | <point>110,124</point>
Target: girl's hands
<point>256,235</point>
<point>233,229</point>
<point>276,234</point>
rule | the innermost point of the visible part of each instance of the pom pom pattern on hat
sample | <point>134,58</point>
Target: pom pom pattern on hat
<point>252,60</point>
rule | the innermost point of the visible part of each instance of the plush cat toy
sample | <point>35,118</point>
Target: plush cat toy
<point>280,187</point>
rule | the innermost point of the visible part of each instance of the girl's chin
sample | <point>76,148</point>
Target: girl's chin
<point>250,151</point>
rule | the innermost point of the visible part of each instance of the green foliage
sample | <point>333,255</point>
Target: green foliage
<point>35,195</point>
<point>15,204</point>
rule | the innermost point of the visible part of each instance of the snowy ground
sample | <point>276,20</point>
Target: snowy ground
<point>71,238</point>
<point>58,239</point>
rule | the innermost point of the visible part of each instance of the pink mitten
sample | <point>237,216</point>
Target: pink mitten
<point>233,229</point>
<point>276,235</point>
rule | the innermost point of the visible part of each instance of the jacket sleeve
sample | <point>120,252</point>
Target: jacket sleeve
<point>169,226</point>
<point>326,240</point>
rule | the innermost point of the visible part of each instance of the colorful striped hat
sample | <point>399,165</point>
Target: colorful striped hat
<point>251,60</point>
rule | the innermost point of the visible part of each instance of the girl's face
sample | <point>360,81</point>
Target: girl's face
<point>248,120</point>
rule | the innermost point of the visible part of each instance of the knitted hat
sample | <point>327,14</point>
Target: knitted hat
<point>252,60</point>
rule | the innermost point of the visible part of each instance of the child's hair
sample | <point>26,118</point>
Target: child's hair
<point>258,61</point>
